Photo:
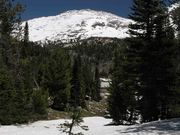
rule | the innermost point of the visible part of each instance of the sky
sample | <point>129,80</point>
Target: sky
<point>39,8</point>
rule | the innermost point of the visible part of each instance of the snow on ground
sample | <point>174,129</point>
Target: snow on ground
<point>105,82</point>
<point>96,127</point>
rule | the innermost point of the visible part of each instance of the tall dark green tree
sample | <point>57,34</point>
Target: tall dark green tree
<point>176,19</point>
<point>97,84</point>
<point>88,77</point>
<point>151,27</point>
<point>123,99</point>
<point>25,48</point>
<point>78,88</point>
<point>58,78</point>
<point>144,13</point>
<point>26,32</point>
<point>14,98</point>
<point>9,16</point>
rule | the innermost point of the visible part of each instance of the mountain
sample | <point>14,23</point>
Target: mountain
<point>174,6</point>
<point>80,24</point>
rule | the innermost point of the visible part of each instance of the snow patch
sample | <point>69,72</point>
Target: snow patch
<point>97,126</point>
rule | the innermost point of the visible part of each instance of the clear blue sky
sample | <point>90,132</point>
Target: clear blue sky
<point>38,8</point>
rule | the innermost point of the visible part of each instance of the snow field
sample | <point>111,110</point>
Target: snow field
<point>97,126</point>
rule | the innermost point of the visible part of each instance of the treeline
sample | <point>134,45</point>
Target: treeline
<point>99,51</point>
<point>145,79</point>
<point>35,76</point>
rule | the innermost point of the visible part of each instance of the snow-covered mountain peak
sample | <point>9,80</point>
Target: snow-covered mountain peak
<point>75,24</point>
<point>174,6</point>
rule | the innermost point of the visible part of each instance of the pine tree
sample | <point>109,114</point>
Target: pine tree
<point>78,88</point>
<point>175,106</point>
<point>18,101</point>
<point>40,101</point>
<point>117,109</point>
<point>26,32</point>
<point>134,59</point>
<point>88,77</point>
<point>144,13</point>
<point>58,78</point>
<point>96,91</point>
<point>151,25</point>
<point>14,97</point>
<point>9,16</point>
<point>25,49</point>
<point>76,117</point>
<point>176,19</point>
<point>123,99</point>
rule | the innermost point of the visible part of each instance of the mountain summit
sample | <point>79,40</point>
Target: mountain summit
<point>80,24</point>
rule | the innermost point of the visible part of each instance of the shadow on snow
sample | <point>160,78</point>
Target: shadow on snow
<point>160,127</point>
